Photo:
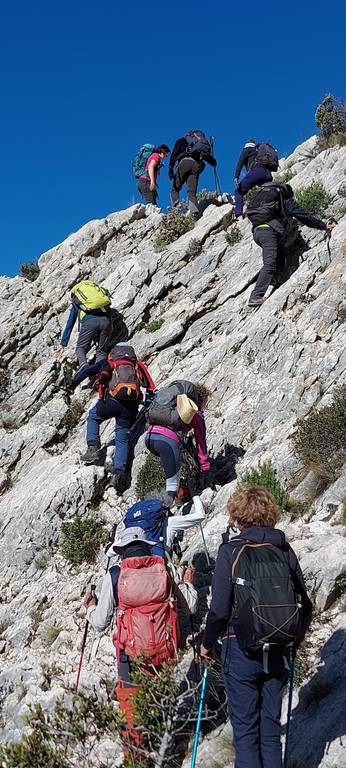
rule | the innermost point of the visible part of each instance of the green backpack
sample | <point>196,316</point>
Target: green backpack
<point>90,296</point>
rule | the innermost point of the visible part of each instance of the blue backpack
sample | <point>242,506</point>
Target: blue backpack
<point>140,159</point>
<point>151,517</point>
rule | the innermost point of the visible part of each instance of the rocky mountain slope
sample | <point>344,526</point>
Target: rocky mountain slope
<point>267,368</point>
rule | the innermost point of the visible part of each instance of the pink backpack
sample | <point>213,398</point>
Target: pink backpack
<point>147,615</point>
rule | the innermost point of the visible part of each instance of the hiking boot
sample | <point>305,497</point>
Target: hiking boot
<point>118,481</point>
<point>92,455</point>
<point>255,302</point>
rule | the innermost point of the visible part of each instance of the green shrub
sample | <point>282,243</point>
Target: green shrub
<point>30,271</point>
<point>154,325</point>
<point>331,116</point>
<point>65,737</point>
<point>5,380</point>
<point>173,226</point>
<point>193,250</point>
<point>234,236</point>
<point>50,634</point>
<point>151,477</point>
<point>286,176</point>
<point>341,211</point>
<point>342,190</point>
<point>81,539</point>
<point>340,585</point>
<point>314,198</point>
<point>320,439</point>
<point>250,194</point>
<point>335,140</point>
<point>204,194</point>
<point>155,704</point>
<point>265,476</point>
<point>73,414</point>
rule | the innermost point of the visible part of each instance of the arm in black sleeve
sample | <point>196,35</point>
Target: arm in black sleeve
<point>299,583</point>
<point>221,604</point>
<point>211,160</point>
<point>178,149</point>
<point>294,209</point>
<point>241,162</point>
<point>90,370</point>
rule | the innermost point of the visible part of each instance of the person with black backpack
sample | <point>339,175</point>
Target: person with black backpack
<point>270,212</point>
<point>189,155</point>
<point>260,160</point>
<point>176,410</point>
<point>121,378</point>
<point>146,166</point>
<point>261,612</point>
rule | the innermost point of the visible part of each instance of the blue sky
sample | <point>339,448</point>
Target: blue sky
<point>85,84</point>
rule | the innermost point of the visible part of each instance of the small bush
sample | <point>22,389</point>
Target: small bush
<point>250,194</point>
<point>335,140</point>
<point>341,211</point>
<point>5,624</point>
<point>50,634</point>
<point>72,415</point>
<point>234,236</point>
<point>314,198</point>
<point>82,538</point>
<point>193,250</point>
<point>30,271</point>
<point>265,476</point>
<point>342,190</point>
<point>151,477</point>
<point>5,379</point>
<point>8,422</point>
<point>65,737</point>
<point>173,226</point>
<point>331,116</point>
<point>154,325</point>
<point>320,439</point>
<point>340,585</point>
<point>204,194</point>
<point>286,176</point>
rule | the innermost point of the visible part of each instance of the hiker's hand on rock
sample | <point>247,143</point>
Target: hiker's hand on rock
<point>189,575</point>
<point>89,600</point>
<point>330,225</point>
<point>57,354</point>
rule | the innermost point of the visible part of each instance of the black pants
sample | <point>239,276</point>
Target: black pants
<point>149,195</point>
<point>269,241</point>
<point>187,173</point>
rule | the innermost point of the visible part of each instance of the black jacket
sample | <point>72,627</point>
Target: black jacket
<point>178,151</point>
<point>220,611</point>
<point>246,158</point>
<point>295,210</point>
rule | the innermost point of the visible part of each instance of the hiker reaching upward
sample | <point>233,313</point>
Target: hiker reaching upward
<point>260,610</point>
<point>260,160</point>
<point>188,158</point>
<point>121,378</point>
<point>140,580</point>
<point>177,409</point>
<point>270,212</point>
<point>146,167</point>
<point>91,307</point>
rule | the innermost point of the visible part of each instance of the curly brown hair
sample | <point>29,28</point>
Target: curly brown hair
<point>253,505</point>
<point>203,391</point>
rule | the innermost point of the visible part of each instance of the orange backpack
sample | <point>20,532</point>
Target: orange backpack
<point>147,614</point>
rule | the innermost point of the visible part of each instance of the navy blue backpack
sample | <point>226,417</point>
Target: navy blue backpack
<point>149,515</point>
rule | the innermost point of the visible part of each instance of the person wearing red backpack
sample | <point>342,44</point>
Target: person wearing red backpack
<point>121,378</point>
<point>147,595</point>
<point>261,611</point>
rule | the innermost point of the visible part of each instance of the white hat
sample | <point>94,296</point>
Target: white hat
<point>129,536</point>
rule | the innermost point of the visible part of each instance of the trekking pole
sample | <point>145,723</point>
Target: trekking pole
<point>85,635</point>
<point>289,707</point>
<point>217,182</point>
<point>199,718</point>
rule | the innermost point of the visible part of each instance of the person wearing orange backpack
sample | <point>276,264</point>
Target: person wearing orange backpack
<point>121,378</point>
<point>151,636</point>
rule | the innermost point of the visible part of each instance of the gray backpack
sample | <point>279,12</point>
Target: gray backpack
<point>163,411</point>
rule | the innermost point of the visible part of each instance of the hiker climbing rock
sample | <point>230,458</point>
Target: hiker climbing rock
<point>121,378</point>
<point>146,166</point>
<point>271,212</point>
<point>259,160</point>
<point>141,579</point>
<point>91,307</point>
<point>177,409</point>
<point>261,611</point>
<point>154,515</point>
<point>188,158</point>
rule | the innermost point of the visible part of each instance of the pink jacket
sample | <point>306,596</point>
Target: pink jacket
<point>199,429</point>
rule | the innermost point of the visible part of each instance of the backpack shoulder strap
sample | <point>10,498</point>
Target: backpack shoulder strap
<point>241,550</point>
<point>114,573</point>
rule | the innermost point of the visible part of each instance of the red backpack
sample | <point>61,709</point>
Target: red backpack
<point>126,380</point>
<point>147,614</point>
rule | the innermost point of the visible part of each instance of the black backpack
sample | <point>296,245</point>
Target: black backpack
<point>163,410</point>
<point>197,143</point>
<point>266,156</point>
<point>267,610</point>
<point>265,206</point>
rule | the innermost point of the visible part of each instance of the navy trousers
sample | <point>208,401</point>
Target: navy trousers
<point>124,419</point>
<point>256,176</point>
<point>254,704</point>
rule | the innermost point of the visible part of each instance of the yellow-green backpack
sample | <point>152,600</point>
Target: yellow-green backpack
<point>90,296</point>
